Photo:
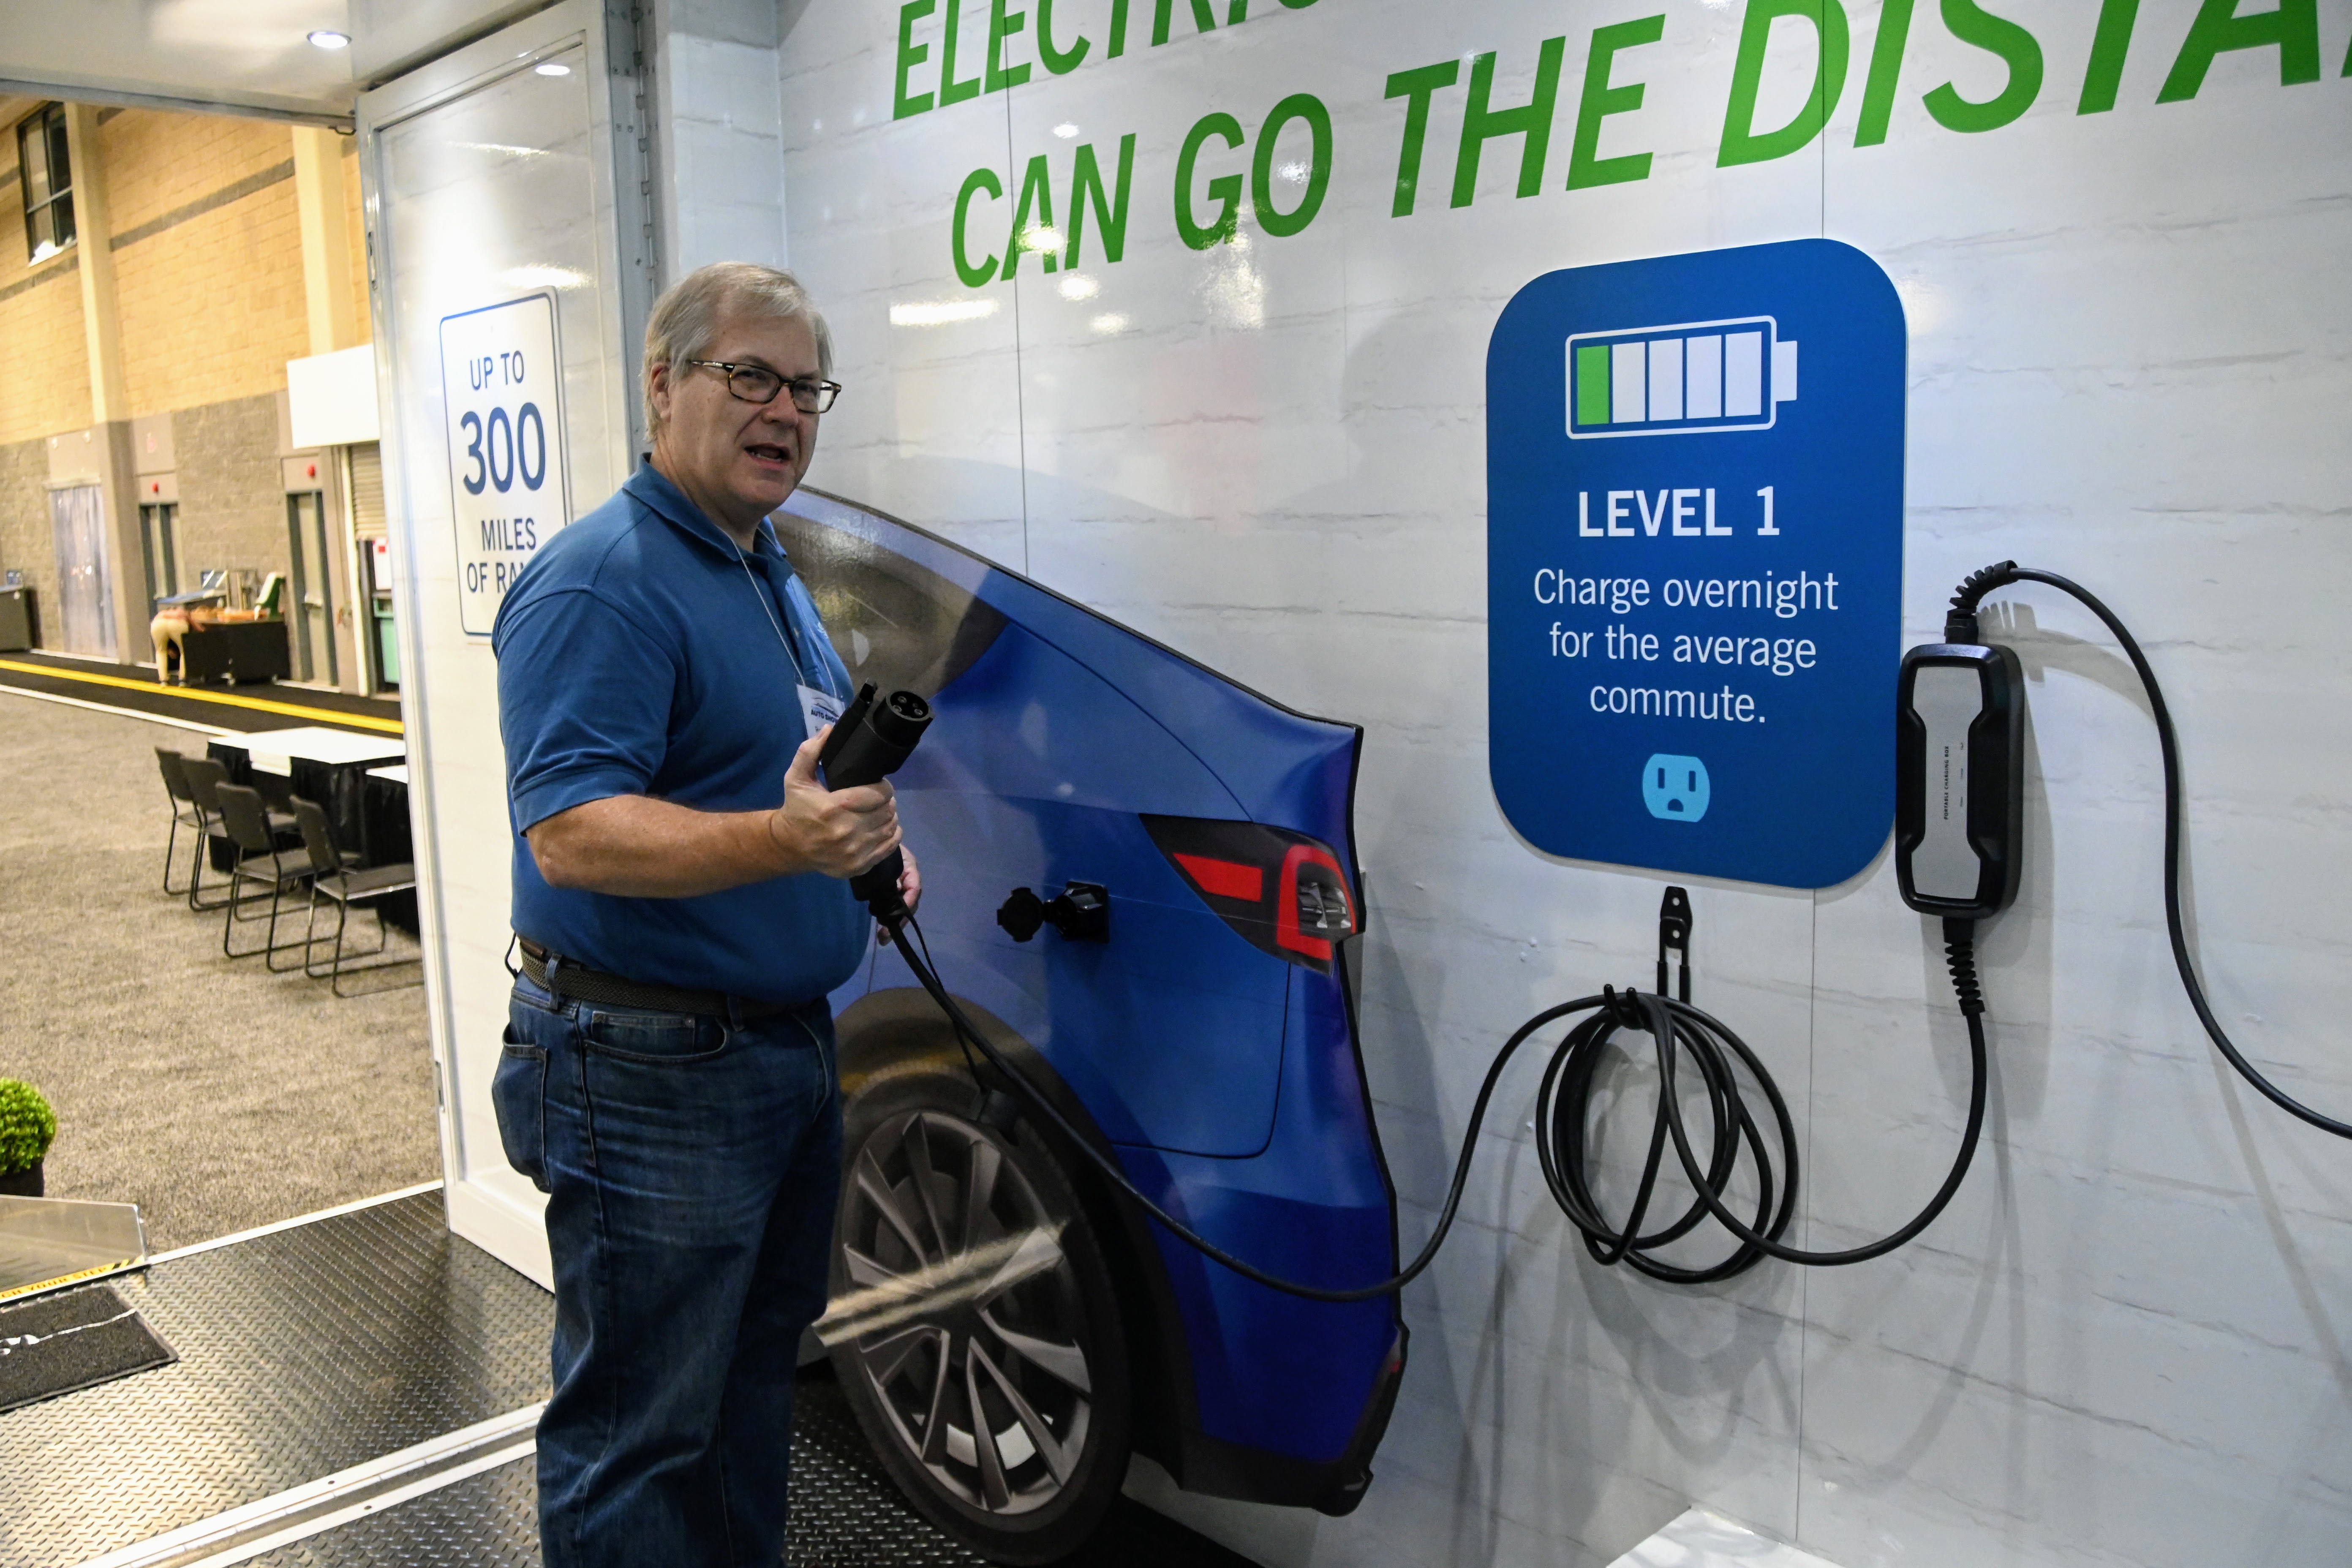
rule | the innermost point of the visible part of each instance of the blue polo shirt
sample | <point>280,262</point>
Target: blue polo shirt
<point>637,656</point>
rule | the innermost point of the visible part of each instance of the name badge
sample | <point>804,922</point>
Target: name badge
<point>818,708</point>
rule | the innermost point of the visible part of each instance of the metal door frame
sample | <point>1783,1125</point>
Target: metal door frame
<point>298,585</point>
<point>608,34</point>
<point>159,540</point>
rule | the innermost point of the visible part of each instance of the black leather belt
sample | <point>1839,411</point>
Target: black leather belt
<point>568,979</point>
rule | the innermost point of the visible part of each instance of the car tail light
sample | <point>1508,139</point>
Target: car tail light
<point>1285,894</point>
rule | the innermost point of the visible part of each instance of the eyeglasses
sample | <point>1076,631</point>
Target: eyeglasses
<point>758,384</point>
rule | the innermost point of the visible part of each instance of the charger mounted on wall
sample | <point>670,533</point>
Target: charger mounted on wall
<point>1959,851</point>
<point>1960,779</point>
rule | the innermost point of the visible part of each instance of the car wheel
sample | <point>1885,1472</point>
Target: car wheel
<point>974,1326</point>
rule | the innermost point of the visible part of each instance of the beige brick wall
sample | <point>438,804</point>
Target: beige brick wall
<point>43,362</point>
<point>212,307</point>
<point>158,161</point>
<point>43,366</point>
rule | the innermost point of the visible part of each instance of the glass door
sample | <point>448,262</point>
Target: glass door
<point>310,607</point>
<point>85,585</point>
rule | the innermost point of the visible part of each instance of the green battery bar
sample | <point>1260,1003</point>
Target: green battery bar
<point>1685,379</point>
<point>1592,384</point>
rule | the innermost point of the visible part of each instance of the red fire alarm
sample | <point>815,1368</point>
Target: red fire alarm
<point>311,472</point>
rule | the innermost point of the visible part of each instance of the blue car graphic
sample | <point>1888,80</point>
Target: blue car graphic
<point>1139,878</point>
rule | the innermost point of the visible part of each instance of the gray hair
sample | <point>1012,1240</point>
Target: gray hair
<point>685,320</point>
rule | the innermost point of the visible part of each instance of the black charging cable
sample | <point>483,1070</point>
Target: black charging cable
<point>1678,1030</point>
<point>1681,1033</point>
<point>1961,627</point>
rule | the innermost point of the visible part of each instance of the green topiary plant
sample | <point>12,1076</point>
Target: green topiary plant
<point>27,1126</point>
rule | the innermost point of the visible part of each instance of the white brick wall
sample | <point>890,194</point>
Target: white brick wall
<point>2131,348</point>
<point>721,146</point>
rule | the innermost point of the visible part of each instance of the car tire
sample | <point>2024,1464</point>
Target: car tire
<point>965,1277</point>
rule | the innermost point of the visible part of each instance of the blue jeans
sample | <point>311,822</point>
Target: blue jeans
<point>692,1167</point>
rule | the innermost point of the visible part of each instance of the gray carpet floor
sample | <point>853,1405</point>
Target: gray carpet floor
<point>213,1094</point>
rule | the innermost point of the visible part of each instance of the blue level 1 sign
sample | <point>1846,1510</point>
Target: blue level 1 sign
<point>1695,561</point>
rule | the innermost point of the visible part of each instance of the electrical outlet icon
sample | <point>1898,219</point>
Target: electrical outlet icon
<point>1676,789</point>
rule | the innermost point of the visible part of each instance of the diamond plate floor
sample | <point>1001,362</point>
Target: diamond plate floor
<point>844,1515</point>
<point>490,1520</point>
<point>303,1353</point>
<point>335,1343</point>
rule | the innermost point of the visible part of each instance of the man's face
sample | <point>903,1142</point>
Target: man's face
<point>738,460</point>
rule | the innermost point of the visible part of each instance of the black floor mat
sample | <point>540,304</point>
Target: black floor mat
<point>78,1339</point>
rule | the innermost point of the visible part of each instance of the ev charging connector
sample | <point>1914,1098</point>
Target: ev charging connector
<point>868,743</point>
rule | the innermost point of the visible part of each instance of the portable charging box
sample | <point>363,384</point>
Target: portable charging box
<point>1960,779</point>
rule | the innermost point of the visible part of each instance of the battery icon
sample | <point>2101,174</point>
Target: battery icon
<point>1679,379</point>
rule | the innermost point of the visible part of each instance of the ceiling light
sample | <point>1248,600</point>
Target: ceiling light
<point>326,38</point>
<point>553,68</point>
<point>1065,131</point>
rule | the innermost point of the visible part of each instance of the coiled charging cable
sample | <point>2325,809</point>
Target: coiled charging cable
<point>1683,1034</point>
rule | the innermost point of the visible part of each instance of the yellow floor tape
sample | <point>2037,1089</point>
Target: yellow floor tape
<point>229,699</point>
<point>76,1278</point>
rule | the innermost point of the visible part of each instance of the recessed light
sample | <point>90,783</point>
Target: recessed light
<point>326,38</point>
<point>1065,131</point>
<point>553,68</point>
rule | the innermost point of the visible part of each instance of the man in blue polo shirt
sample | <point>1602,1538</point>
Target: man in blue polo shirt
<point>663,684</point>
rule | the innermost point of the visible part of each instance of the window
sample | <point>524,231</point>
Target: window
<point>46,169</point>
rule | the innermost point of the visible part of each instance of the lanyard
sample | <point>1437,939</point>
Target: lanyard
<point>791,649</point>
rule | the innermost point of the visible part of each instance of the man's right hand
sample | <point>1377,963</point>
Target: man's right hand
<point>837,832</point>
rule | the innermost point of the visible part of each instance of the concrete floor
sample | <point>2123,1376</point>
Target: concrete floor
<point>213,1094</point>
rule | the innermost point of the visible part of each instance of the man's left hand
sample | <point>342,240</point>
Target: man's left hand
<point>911,887</point>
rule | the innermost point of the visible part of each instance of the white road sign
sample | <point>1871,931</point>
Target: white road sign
<point>501,383</point>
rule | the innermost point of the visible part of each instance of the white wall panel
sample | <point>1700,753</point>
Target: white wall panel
<point>931,426</point>
<point>488,181</point>
<point>2130,350</point>
<point>721,139</point>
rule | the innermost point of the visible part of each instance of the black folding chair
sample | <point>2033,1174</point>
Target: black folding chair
<point>204,776</point>
<point>333,880</point>
<point>258,864</point>
<point>185,814</point>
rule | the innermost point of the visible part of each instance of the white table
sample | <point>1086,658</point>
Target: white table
<point>396,773</point>
<point>328,766</point>
<point>276,750</point>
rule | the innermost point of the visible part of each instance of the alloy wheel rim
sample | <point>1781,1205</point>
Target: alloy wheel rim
<point>963,1313</point>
